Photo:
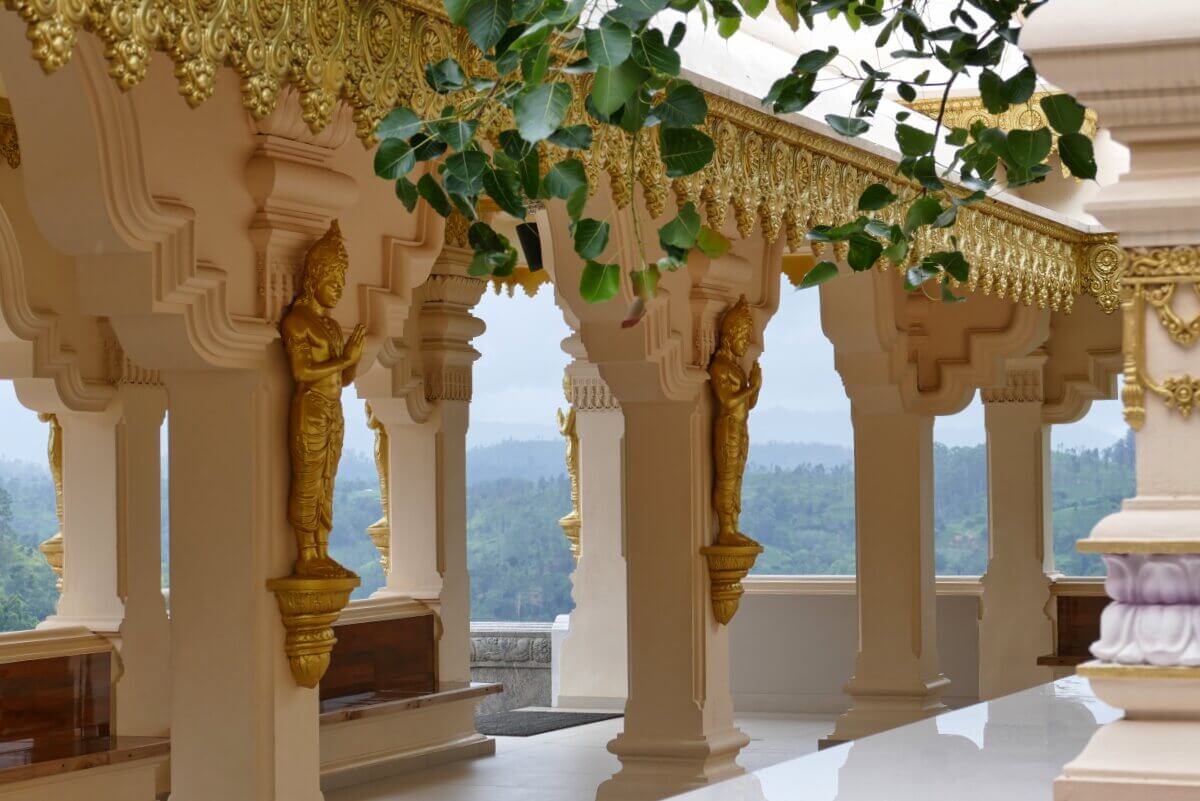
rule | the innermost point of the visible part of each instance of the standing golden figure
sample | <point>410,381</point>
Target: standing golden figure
<point>52,549</point>
<point>732,555</point>
<point>572,522</point>
<point>321,365</point>
<point>311,599</point>
<point>380,531</point>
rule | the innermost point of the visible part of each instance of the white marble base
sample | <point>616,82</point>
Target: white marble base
<point>1010,749</point>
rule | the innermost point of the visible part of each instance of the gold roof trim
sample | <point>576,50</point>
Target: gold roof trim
<point>371,53</point>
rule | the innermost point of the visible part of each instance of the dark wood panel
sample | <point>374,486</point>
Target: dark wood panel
<point>48,701</point>
<point>1078,624</point>
<point>388,657</point>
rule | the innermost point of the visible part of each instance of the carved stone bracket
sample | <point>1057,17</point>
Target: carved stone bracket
<point>309,607</point>
<point>447,328</point>
<point>727,566</point>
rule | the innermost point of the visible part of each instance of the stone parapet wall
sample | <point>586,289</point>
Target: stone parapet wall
<point>516,655</point>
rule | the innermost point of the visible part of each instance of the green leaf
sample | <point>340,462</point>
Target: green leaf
<point>504,187</point>
<point>445,76</point>
<point>610,44</point>
<point>728,26</point>
<point>564,178</point>
<point>895,253</point>
<point>913,141</point>
<point>468,166</point>
<point>906,92</point>
<point>1064,113</point>
<point>645,282</point>
<point>486,21</point>
<point>599,282</point>
<point>923,211</point>
<point>534,63</point>
<point>684,150</point>
<point>1027,148</point>
<point>533,36</point>
<point>1076,152</point>
<point>634,11</point>
<point>615,85</point>
<point>457,133</point>
<point>814,60</point>
<point>947,217</point>
<point>821,272</point>
<point>864,250</point>
<point>652,53</point>
<point>539,110</point>
<point>711,243</point>
<point>428,188</point>
<point>683,106</point>
<point>1019,88</point>
<point>753,7</point>
<point>847,126</point>
<point>400,123</point>
<point>456,10</point>
<point>876,197</point>
<point>406,190</point>
<point>915,276</point>
<point>682,231</point>
<point>574,137</point>
<point>993,92</point>
<point>950,297</point>
<point>591,238</point>
<point>394,159</point>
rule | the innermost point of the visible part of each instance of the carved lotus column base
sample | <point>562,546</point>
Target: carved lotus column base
<point>571,525</point>
<point>309,607</point>
<point>52,549</point>
<point>380,533</point>
<point>727,566</point>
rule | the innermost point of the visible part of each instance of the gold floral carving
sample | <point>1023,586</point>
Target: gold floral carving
<point>1152,276</point>
<point>10,149</point>
<point>572,522</point>
<point>321,362</point>
<point>963,112</point>
<point>767,173</point>
<point>732,555</point>
<point>380,531</point>
<point>52,549</point>
<point>529,281</point>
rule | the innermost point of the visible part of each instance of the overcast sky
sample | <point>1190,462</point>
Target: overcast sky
<point>518,386</point>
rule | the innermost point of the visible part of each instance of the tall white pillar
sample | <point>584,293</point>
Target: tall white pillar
<point>1014,627</point>
<point>679,730</point>
<point>592,668</point>
<point>241,728</point>
<point>896,677</point>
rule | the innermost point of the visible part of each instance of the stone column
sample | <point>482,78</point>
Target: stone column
<point>896,678</point>
<point>1142,78</point>
<point>593,663</point>
<point>679,730</point>
<point>1014,627</point>
<point>242,729</point>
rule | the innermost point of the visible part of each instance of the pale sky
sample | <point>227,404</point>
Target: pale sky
<point>518,387</point>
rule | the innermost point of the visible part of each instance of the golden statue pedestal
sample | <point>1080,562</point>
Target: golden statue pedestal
<point>380,533</point>
<point>571,524</point>
<point>727,566</point>
<point>309,607</point>
<point>52,550</point>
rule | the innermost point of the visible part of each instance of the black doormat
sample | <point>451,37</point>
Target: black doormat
<point>524,723</point>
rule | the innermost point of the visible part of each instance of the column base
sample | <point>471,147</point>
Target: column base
<point>661,768</point>
<point>1132,760</point>
<point>872,714</point>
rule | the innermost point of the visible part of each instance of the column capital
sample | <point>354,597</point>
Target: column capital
<point>1022,381</point>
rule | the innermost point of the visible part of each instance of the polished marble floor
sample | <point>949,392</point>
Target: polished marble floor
<point>569,764</point>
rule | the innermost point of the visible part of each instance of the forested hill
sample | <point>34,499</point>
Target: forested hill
<point>798,501</point>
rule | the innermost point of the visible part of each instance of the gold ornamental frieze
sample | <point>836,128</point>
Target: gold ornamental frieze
<point>767,174</point>
<point>732,554</point>
<point>322,361</point>
<point>1152,277</point>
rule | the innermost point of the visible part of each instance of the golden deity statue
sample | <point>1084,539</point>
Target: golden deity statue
<point>572,522</point>
<point>380,531</point>
<point>736,395</point>
<point>52,549</point>
<point>321,363</point>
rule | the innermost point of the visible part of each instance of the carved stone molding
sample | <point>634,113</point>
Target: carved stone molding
<point>591,394</point>
<point>447,328</point>
<point>121,369</point>
<point>10,150</point>
<point>1022,385</point>
<point>772,175</point>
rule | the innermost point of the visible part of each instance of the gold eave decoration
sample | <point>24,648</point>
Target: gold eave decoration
<point>773,175</point>
<point>528,281</point>
<point>10,149</point>
<point>1153,276</point>
<point>966,110</point>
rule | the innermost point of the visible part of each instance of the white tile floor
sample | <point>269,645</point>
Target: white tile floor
<point>568,765</point>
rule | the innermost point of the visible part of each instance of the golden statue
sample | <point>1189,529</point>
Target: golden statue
<point>732,555</point>
<point>736,396</point>
<point>572,522</point>
<point>52,549</point>
<point>380,531</point>
<point>321,365</point>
